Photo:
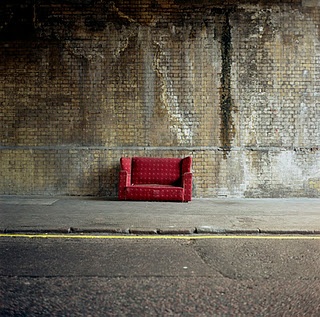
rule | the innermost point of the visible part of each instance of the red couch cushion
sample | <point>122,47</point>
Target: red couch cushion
<point>152,170</point>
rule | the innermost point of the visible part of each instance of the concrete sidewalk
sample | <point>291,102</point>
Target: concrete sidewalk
<point>201,216</point>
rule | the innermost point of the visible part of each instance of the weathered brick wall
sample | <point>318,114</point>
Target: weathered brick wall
<point>235,84</point>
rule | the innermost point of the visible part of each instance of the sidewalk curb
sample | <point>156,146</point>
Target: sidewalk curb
<point>215,230</point>
<point>165,231</point>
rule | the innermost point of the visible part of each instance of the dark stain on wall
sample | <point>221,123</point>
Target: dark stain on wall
<point>226,102</point>
<point>16,20</point>
<point>83,80</point>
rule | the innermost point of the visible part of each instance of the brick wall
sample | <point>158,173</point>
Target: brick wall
<point>235,84</point>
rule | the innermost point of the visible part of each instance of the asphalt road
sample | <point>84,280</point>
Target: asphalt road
<point>157,277</point>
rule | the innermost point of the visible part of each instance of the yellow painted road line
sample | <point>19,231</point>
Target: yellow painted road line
<point>159,237</point>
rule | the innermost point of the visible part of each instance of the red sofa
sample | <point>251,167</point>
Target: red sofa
<point>159,179</point>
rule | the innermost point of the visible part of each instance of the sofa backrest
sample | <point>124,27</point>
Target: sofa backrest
<point>153,170</point>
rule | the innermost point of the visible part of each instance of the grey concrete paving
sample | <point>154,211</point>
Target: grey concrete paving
<point>202,216</point>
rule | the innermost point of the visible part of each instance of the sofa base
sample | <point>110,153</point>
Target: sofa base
<point>154,193</point>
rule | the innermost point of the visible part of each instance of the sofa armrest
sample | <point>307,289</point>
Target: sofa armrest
<point>187,185</point>
<point>124,178</point>
<point>124,181</point>
<point>125,164</point>
<point>186,164</point>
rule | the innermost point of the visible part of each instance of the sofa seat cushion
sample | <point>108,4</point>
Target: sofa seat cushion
<point>154,192</point>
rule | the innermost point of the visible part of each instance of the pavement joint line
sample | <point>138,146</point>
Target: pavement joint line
<point>159,237</point>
